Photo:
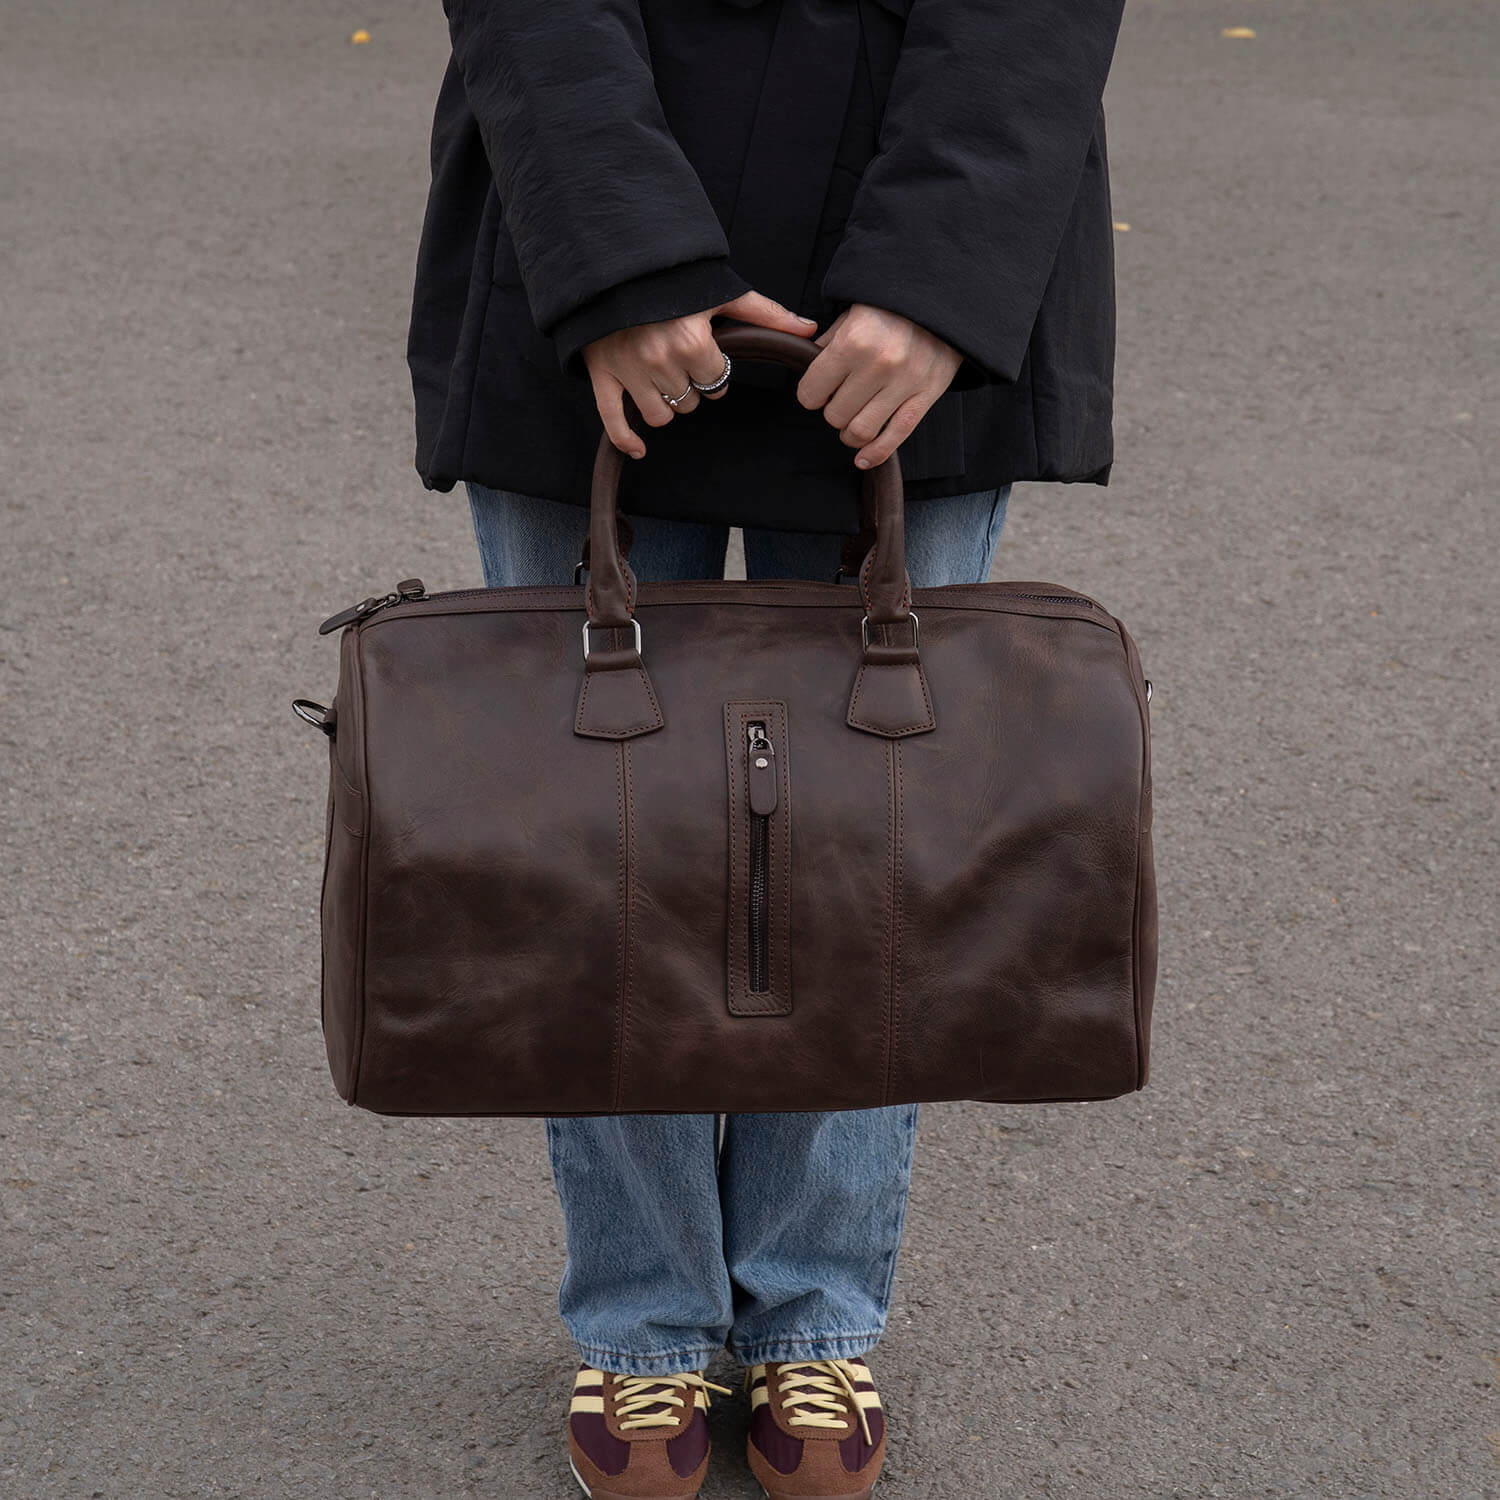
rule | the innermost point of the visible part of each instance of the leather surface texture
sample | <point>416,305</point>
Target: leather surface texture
<point>529,908</point>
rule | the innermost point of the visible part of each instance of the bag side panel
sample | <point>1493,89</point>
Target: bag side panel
<point>1014,969</point>
<point>497,871</point>
<point>1145,908</point>
<point>343,878</point>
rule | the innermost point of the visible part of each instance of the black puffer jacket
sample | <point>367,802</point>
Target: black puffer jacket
<point>603,163</point>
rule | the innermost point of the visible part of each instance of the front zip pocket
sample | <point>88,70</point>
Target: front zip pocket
<point>760,777</point>
<point>759,916</point>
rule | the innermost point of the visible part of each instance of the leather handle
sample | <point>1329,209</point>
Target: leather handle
<point>883,582</point>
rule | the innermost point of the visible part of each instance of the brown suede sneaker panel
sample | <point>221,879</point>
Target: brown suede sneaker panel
<point>796,1461</point>
<point>615,1461</point>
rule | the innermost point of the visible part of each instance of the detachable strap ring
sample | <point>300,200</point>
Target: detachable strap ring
<point>864,630</point>
<point>635,625</point>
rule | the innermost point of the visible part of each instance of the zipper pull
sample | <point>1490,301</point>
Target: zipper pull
<point>408,588</point>
<point>760,772</point>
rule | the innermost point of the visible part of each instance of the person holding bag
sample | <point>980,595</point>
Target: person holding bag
<point>919,188</point>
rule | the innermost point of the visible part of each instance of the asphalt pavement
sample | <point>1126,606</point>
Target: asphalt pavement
<point>1272,1273</point>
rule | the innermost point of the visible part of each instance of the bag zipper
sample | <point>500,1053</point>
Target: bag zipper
<point>412,590</point>
<point>1057,599</point>
<point>408,588</point>
<point>760,782</point>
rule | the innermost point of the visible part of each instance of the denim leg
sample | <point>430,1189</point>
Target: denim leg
<point>951,539</point>
<point>644,1290</point>
<point>524,539</point>
<point>814,1204</point>
<point>786,1248</point>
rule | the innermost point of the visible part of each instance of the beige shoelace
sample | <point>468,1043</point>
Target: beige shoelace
<point>636,1394</point>
<point>815,1393</point>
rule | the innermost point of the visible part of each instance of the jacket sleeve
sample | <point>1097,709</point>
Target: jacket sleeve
<point>610,222</point>
<point>958,217</point>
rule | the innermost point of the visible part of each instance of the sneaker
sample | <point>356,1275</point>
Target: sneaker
<point>816,1429</point>
<point>639,1437</point>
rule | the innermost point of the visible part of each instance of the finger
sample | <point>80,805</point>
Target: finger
<point>895,432</point>
<point>823,377</point>
<point>685,403</point>
<point>607,396</point>
<point>865,384</point>
<point>832,331</point>
<point>706,366</point>
<point>868,422</point>
<point>648,391</point>
<point>752,307</point>
<point>659,369</point>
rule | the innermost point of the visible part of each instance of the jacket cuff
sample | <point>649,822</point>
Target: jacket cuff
<point>675,292</point>
<point>970,375</point>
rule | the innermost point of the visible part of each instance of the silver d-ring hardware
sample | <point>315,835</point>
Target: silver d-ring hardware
<point>1148,689</point>
<point>635,625</point>
<point>316,714</point>
<point>864,630</point>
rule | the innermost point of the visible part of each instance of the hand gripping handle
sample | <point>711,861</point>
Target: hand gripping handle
<point>884,587</point>
<point>890,697</point>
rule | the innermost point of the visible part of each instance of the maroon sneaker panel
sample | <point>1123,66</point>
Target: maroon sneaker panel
<point>854,1450</point>
<point>782,1451</point>
<point>602,1448</point>
<point>690,1447</point>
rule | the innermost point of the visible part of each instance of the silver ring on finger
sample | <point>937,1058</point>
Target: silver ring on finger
<point>720,381</point>
<point>673,400</point>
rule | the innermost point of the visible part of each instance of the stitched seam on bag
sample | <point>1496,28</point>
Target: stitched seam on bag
<point>349,787</point>
<point>616,1053</point>
<point>1142,835</point>
<point>864,577</point>
<point>630,581</point>
<point>690,593</point>
<point>733,961</point>
<point>864,581</point>
<point>926,723</point>
<point>322,907</point>
<point>615,734</point>
<point>651,694</point>
<point>785,946</point>
<point>887,930</point>
<point>898,903</point>
<point>629,916</point>
<point>778,999</point>
<point>743,1001</point>
<point>1135,962</point>
<point>362,929</point>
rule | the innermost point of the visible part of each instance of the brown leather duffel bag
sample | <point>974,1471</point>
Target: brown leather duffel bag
<point>721,846</point>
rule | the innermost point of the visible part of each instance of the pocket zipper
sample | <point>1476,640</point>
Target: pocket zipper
<point>760,782</point>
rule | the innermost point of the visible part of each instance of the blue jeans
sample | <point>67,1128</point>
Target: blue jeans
<point>778,1239</point>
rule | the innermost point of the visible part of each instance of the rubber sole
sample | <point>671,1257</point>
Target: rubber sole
<point>858,1495</point>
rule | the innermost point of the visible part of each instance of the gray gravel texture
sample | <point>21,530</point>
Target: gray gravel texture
<point>1271,1274</point>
